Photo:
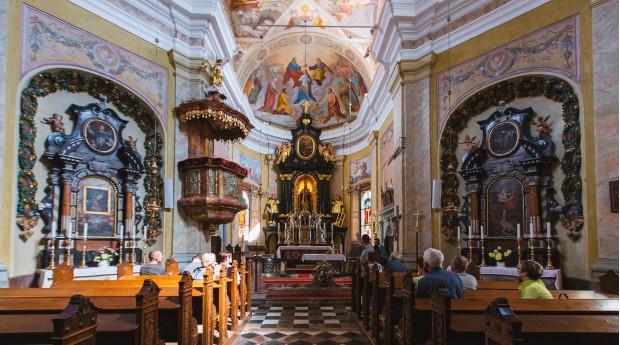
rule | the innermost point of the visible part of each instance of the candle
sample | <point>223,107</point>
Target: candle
<point>458,232</point>
<point>85,230</point>
<point>548,229</point>
<point>531,230</point>
<point>70,230</point>
<point>53,232</point>
<point>470,232</point>
<point>518,231</point>
<point>133,232</point>
<point>482,232</point>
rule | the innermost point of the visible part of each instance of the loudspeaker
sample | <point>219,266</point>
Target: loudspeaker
<point>168,194</point>
<point>436,198</point>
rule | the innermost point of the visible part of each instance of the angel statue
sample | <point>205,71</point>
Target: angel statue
<point>284,150</point>
<point>471,144</point>
<point>212,73</point>
<point>326,150</point>
<point>320,233</point>
<point>56,122</point>
<point>542,127</point>
<point>131,142</point>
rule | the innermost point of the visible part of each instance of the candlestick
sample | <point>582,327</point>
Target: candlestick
<point>458,239</point>
<point>68,247</point>
<point>483,263</point>
<point>83,265</point>
<point>133,252</point>
<point>143,253</point>
<point>518,251</point>
<point>532,247</point>
<point>332,240</point>
<point>52,254</point>
<point>549,263</point>
<point>121,240</point>
<point>470,251</point>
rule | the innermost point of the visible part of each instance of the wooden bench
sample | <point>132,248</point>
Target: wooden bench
<point>76,323</point>
<point>126,325</point>
<point>392,310</point>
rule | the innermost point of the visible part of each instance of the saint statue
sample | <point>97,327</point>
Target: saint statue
<point>272,208</point>
<point>305,198</point>
<point>284,150</point>
<point>337,205</point>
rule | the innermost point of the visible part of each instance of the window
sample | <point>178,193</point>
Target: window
<point>366,212</point>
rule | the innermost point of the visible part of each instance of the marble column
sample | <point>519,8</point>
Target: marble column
<point>187,236</point>
<point>410,86</point>
<point>4,31</point>
<point>605,68</point>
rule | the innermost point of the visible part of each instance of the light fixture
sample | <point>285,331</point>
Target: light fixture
<point>349,189</point>
<point>259,191</point>
<point>373,29</point>
<point>367,54</point>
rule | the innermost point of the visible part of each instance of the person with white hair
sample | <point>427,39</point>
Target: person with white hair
<point>433,260</point>
<point>459,265</point>
<point>208,261</point>
<point>394,264</point>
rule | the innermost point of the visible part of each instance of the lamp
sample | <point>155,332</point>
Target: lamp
<point>349,189</point>
<point>259,191</point>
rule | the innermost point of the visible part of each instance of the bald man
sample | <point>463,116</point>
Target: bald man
<point>154,267</point>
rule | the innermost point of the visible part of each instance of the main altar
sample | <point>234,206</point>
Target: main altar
<point>304,213</point>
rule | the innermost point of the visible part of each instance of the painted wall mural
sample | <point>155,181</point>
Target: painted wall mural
<point>47,40</point>
<point>360,170</point>
<point>554,49</point>
<point>296,73</point>
<point>253,167</point>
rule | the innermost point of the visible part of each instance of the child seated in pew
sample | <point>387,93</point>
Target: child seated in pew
<point>532,287</point>
<point>373,259</point>
<point>208,261</point>
<point>421,271</point>
<point>458,266</point>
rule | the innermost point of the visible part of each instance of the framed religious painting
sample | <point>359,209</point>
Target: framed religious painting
<point>503,138</point>
<point>97,207</point>
<point>305,147</point>
<point>100,136</point>
<point>505,207</point>
<point>97,200</point>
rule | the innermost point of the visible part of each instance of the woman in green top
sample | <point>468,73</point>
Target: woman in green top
<point>532,287</point>
<point>422,270</point>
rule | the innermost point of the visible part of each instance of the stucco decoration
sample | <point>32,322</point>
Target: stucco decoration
<point>47,83</point>
<point>553,49</point>
<point>46,40</point>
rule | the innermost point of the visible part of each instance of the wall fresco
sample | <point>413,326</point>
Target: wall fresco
<point>360,170</point>
<point>253,166</point>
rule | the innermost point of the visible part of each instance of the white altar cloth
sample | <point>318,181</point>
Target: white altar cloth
<point>46,277</point>
<point>283,248</point>
<point>320,257</point>
<point>512,271</point>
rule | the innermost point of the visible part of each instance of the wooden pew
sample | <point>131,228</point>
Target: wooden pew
<point>392,310</point>
<point>356,294</point>
<point>125,325</point>
<point>366,292</point>
<point>63,272</point>
<point>76,323</point>
<point>124,270</point>
<point>502,326</point>
<point>377,300</point>
<point>172,267</point>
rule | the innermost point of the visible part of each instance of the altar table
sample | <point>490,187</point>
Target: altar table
<point>46,277</point>
<point>321,257</point>
<point>296,252</point>
<point>494,273</point>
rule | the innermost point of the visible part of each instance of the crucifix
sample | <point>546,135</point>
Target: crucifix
<point>417,216</point>
<point>305,103</point>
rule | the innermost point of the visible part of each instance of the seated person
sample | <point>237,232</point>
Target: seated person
<point>458,266</point>
<point>433,259</point>
<point>154,267</point>
<point>208,261</point>
<point>226,261</point>
<point>380,249</point>
<point>366,248</point>
<point>532,287</point>
<point>195,263</point>
<point>421,271</point>
<point>373,259</point>
<point>394,264</point>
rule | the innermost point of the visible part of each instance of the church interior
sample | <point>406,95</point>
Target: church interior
<point>288,131</point>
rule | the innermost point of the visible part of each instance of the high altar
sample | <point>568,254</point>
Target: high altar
<point>306,214</point>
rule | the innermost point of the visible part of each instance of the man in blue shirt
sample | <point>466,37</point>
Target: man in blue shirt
<point>395,265</point>
<point>366,248</point>
<point>433,259</point>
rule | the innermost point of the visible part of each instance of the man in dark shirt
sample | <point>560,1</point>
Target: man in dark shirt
<point>433,259</point>
<point>154,267</point>
<point>395,265</point>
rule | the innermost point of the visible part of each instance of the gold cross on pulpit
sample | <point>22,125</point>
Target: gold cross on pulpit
<point>417,216</point>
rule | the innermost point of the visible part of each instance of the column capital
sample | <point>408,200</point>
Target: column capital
<point>285,177</point>
<point>186,67</point>
<point>411,71</point>
<point>324,177</point>
<point>340,160</point>
<point>269,157</point>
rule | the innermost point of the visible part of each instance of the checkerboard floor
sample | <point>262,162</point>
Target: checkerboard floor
<point>301,322</point>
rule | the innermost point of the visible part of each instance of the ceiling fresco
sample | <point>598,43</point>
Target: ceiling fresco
<point>304,55</point>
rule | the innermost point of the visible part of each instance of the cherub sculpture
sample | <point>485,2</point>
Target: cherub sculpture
<point>131,142</point>
<point>284,150</point>
<point>542,127</point>
<point>327,152</point>
<point>28,220</point>
<point>471,144</point>
<point>56,122</point>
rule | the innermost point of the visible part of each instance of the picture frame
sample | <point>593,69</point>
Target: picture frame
<point>97,200</point>
<point>100,136</point>
<point>504,139</point>
<point>613,196</point>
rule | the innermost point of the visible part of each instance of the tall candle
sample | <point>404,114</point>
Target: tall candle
<point>53,232</point>
<point>548,229</point>
<point>518,231</point>
<point>68,234</point>
<point>458,232</point>
<point>133,232</point>
<point>470,232</point>
<point>531,230</point>
<point>482,232</point>
<point>85,230</point>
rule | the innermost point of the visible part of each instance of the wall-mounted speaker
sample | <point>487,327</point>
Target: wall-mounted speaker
<point>436,198</point>
<point>168,194</point>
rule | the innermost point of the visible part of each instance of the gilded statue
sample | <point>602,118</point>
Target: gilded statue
<point>284,150</point>
<point>272,208</point>
<point>326,150</point>
<point>337,205</point>
<point>213,73</point>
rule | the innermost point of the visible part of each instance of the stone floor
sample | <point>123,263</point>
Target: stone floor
<point>301,322</point>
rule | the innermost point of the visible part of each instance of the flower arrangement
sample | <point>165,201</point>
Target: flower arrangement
<point>106,254</point>
<point>500,255</point>
<point>323,271</point>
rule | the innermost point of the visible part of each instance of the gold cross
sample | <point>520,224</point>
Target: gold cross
<point>305,104</point>
<point>417,216</point>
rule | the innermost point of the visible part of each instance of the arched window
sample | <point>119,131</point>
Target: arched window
<point>366,212</point>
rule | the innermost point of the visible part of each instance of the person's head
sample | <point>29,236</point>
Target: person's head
<point>373,257</point>
<point>459,264</point>
<point>156,255</point>
<point>395,256</point>
<point>208,260</point>
<point>422,270</point>
<point>377,241</point>
<point>433,258</point>
<point>366,238</point>
<point>197,258</point>
<point>530,269</point>
<point>225,256</point>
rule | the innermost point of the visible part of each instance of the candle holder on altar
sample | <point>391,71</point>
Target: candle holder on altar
<point>52,254</point>
<point>532,248</point>
<point>144,253</point>
<point>83,265</point>
<point>518,251</point>
<point>471,254</point>
<point>132,244</point>
<point>549,262</point>
<point>68,251</point>
<point>483,263</point>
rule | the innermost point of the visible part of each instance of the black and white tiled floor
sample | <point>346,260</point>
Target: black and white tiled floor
<point>301,322</point>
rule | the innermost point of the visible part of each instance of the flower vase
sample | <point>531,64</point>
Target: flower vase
<point>501,264</point>
<point>103,263</point>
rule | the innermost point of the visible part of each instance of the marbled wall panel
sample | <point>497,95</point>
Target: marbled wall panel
<point>4,30</point>
<point>605,68</point>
